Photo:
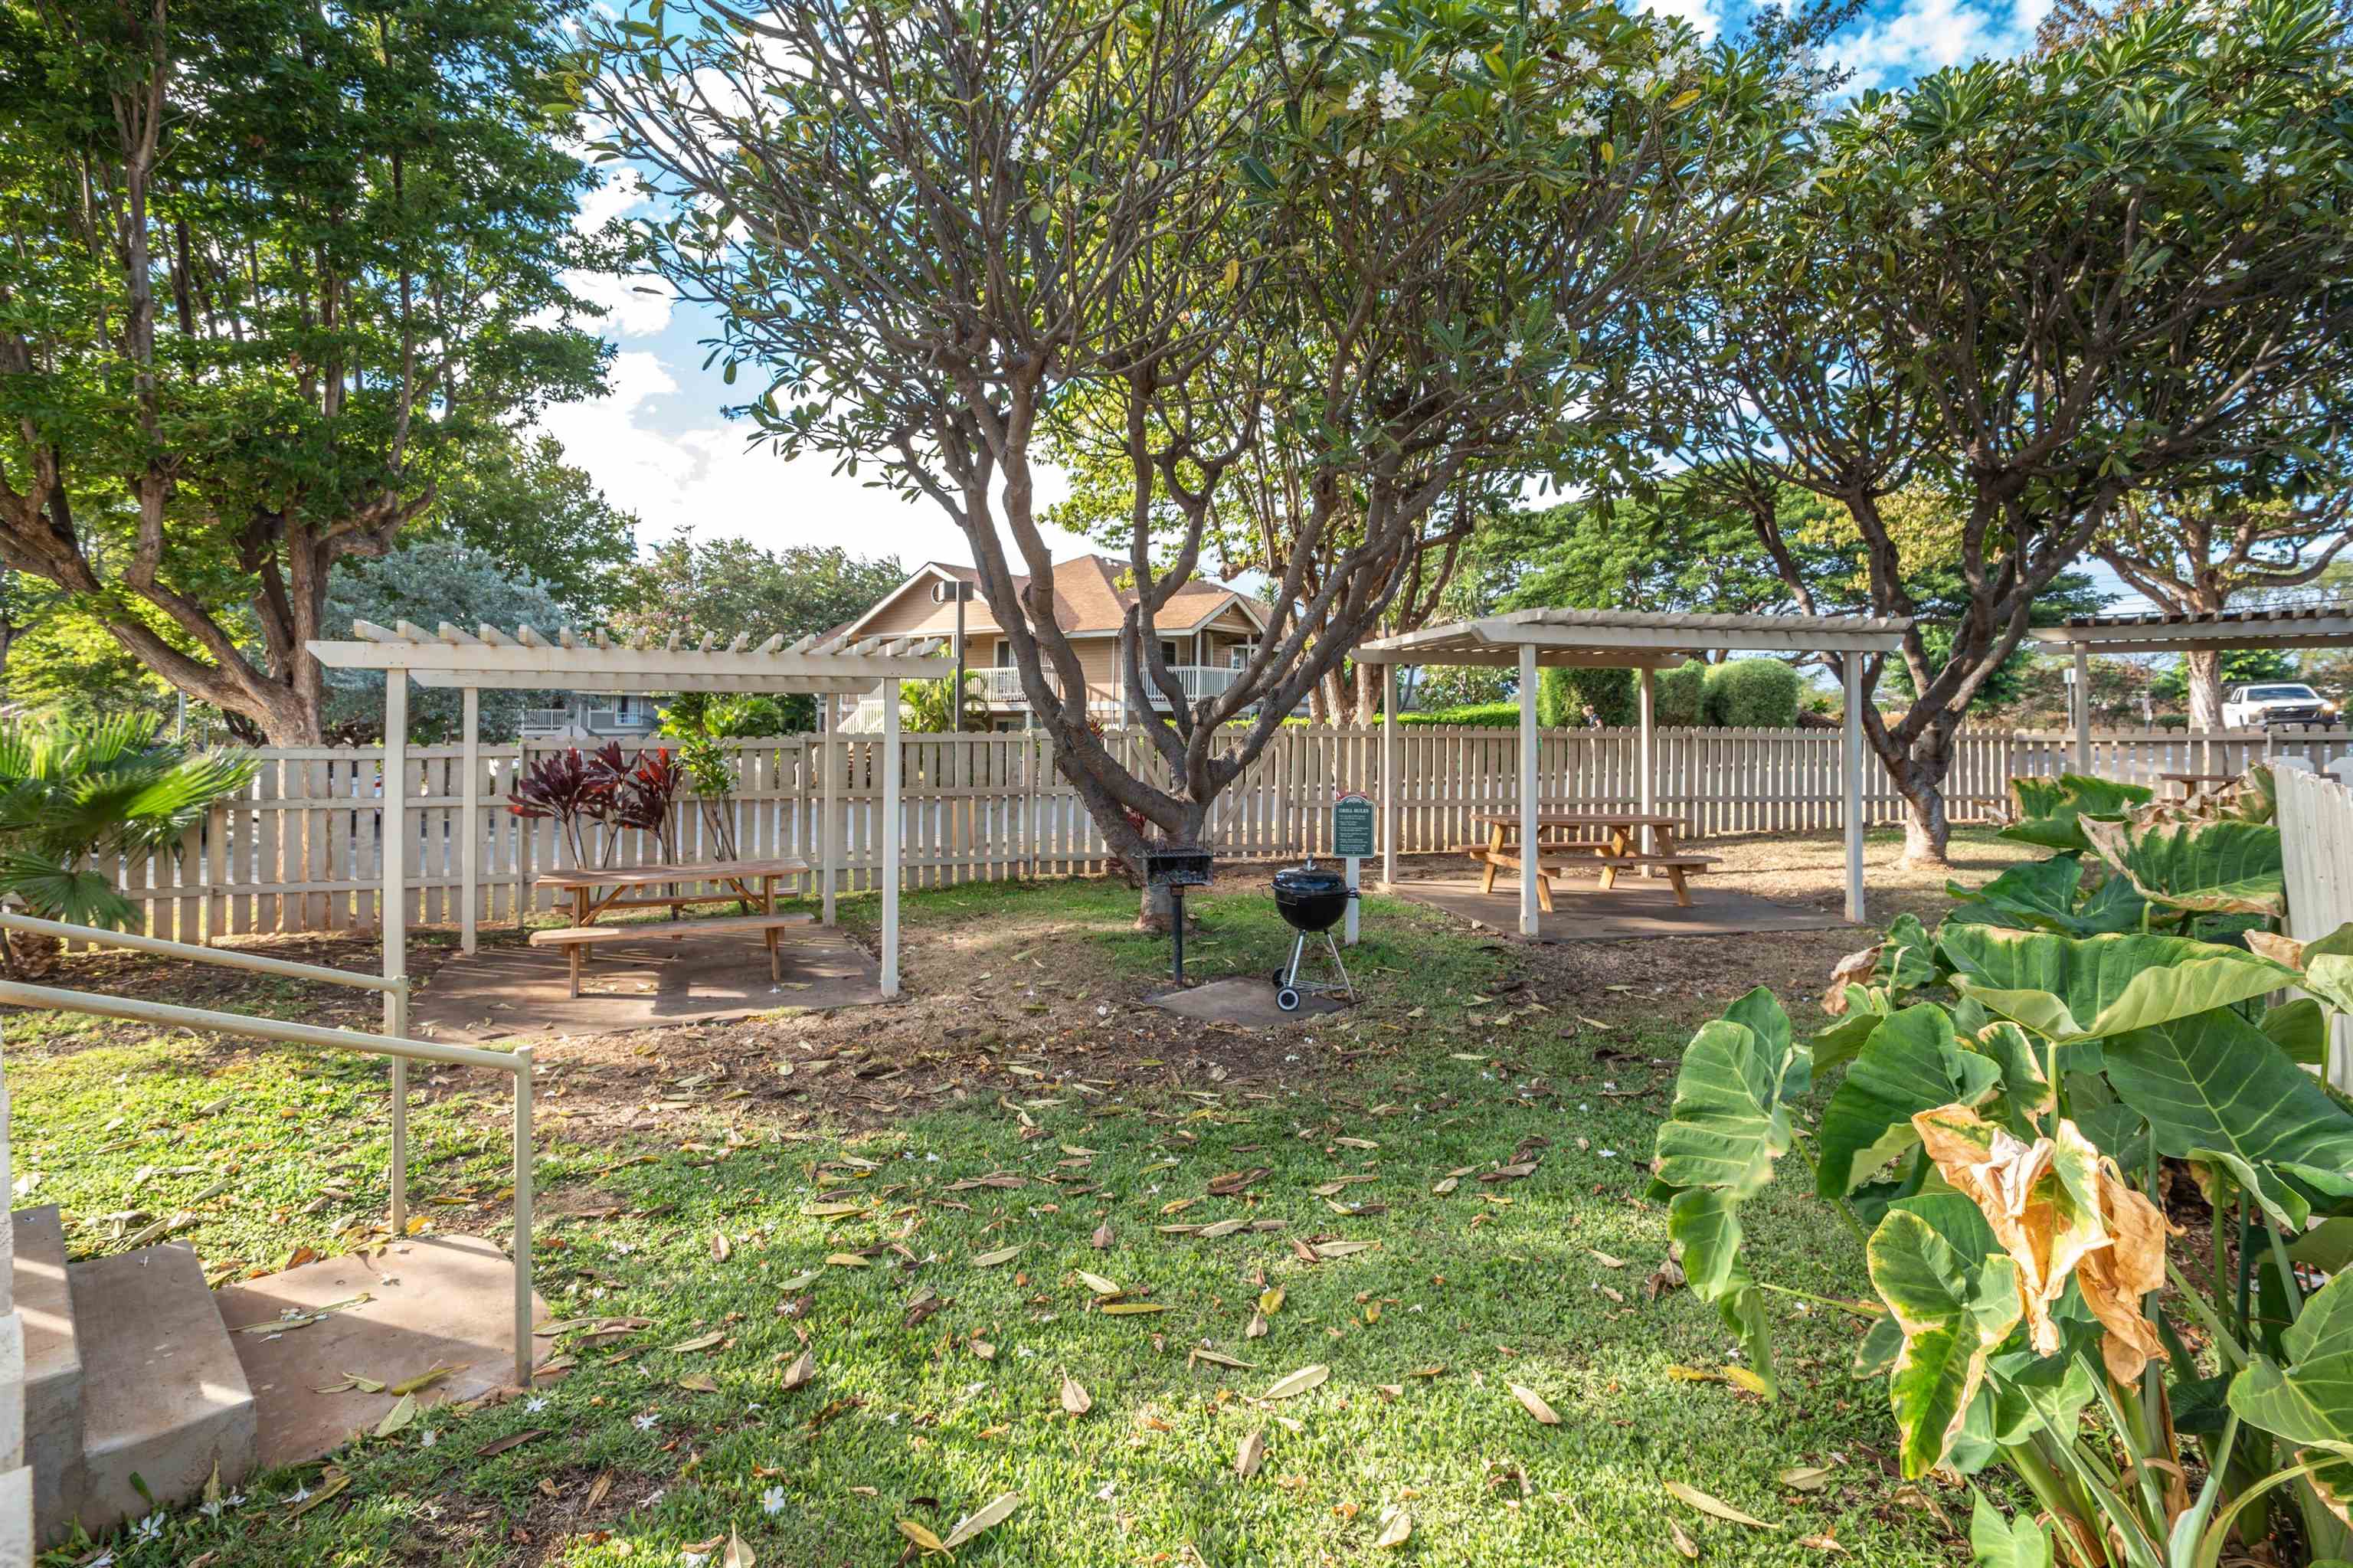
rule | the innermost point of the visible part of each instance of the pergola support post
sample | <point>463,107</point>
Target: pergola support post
<point>2083,706</point>
<point>1851,748</point>
<point>891,838</point>
<point>392,840</point>
<point>1647,687</point>
<point>1389,781</point>
<point>1531,843</point>
<point>470,848</point>
<point>830,856</point>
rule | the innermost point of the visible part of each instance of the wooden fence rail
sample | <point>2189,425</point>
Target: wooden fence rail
<point>300,851</point>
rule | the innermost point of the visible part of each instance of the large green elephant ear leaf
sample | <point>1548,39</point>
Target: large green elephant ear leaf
<point>2216,1091</point>
<point>2227,868</point>
<point>2069,989</point>
<point>2049,812</point>
<point>2047,896</point>
<point>2310,1399</point>
<point>1912,1063</point>
<point>2326,963</point>
<point>1998,1543</point>
<point>1954,1293</point>
<point>1729,1123</point>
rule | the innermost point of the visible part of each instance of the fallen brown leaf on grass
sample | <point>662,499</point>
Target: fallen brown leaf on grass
<point>802,1373</point>
<point>1075,1398</point>
<point>1395,1528</point>
<point>1715,1508</point>
<point>1298,1383</point>
<point>1532,1403</point>
<point>1251,1455</point>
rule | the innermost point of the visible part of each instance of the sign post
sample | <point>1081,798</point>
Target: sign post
<point>1353,841</point>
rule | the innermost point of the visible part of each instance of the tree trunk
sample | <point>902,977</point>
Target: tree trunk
<point>2204,668</point>
<point>1920,779</point>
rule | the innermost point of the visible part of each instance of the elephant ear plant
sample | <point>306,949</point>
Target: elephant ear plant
<point>2003,1098</point>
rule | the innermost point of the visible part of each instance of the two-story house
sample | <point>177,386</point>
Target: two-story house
<point>1207,631</point>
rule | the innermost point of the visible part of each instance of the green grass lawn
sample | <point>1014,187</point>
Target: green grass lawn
<point>1445,1292</point>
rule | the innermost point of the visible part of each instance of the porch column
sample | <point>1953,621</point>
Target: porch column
<point>1851,749</point>
<point>1389,775</point>
<point>469,849</point>
<point>2083,705</point>
<point>1529,812</point>
<point>889,839</point>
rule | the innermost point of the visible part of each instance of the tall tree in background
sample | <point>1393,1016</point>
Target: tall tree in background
<point>2041,285</point>
<point>2198,551</point>
<point>516,498</point>
<point>1381,234</point>
<point>270,266</point>
<point>688,586</point>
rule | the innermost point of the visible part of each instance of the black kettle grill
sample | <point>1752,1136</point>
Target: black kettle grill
<point>1311,901</point>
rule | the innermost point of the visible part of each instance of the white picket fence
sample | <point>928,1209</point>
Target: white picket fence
<point>300,851</point>
<point>2315,819</point>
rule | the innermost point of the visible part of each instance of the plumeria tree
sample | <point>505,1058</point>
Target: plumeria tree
<point>2040,286</point>
<point>1397,240</point>
<point>2200,549</point>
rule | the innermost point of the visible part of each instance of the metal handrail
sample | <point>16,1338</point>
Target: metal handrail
<point>402,1052</point>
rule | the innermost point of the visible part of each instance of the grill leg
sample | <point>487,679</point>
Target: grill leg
<point>1298,951</point>
<point>1346,985</point>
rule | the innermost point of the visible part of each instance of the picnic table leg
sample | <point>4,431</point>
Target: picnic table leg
<point>1495,848</point>
<point>1544,889</point>
<point>1683,894</point>
<point>571,952</point>
<point>1617,848</point>
<point>768,907</point>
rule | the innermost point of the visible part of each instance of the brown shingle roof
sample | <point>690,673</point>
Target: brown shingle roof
<point>1088,597</point>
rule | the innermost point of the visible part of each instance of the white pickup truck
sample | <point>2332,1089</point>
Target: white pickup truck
<point>2275,704</point>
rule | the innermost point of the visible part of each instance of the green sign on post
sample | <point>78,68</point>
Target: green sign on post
<point>1352,827</point>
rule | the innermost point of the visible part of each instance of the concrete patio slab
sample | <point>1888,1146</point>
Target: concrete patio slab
<point>511,992</point>
<point>1584,912</point>
<point>433,1301</point>
<point>1245,1001</point>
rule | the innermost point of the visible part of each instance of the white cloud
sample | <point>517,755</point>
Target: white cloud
<point>707,477</point>
<point>1929,35</point>
<point>636,304</point>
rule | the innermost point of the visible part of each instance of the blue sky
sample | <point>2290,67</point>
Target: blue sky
<point>658,444</point>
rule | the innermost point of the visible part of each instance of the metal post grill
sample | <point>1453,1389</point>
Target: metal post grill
<point>1310,900</point>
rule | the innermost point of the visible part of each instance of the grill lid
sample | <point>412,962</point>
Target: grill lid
<point>1309,880</point>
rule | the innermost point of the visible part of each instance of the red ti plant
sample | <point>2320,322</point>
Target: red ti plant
<point>567,788</point>
<point>643,789</point>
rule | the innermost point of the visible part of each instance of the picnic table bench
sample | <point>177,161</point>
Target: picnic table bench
<point>1612,850</point>
<point>735,880</point>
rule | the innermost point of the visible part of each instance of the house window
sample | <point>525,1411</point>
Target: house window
<point>1004,653</point>
<point>1168,653</point>
<point>1240,654</point>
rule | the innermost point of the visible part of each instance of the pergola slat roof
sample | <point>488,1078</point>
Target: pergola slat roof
<point>1627,637</point>
<point>526,659</point>
<point>2307,625</point>
<point>489,659</point>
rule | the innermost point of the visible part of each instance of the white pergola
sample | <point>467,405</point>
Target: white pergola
<point>2311,626</point>
<point>1532,639</point>
<point>488,659</point>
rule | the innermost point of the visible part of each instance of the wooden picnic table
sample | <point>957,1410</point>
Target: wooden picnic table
<point>738,876</point>
<point>2191,783</point>
<point>1613,850</point>
<point>736,881</point>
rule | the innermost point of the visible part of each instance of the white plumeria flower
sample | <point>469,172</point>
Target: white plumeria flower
<point>1512,350</point>
<point>149,1529</point>
<point>1577,56</point>
<point>534,1405</point>
<point>646,1422</point>
<point>1547,9</point>
<point>1327,12</point>
<point>1397,95</point>
<point>1292,54</point>
<point>300,1494</point>
<point>103,1559</point>
<point>692,1559</point>
<point>1380,195</point>
<point>772,1501</point>
<point>2257,165</point>
<point>1464,62</point>
<point>1359,94</point>
<point>426,1438</point>
<point>2206,46</point>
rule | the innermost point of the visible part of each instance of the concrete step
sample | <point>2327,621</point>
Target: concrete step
<point>53,1372</point>
<point>164,1396</point>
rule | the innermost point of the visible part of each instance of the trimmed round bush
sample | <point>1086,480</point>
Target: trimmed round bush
<point>1754,694</point>
<point>1562,693</point>
<point>1681,696</point>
